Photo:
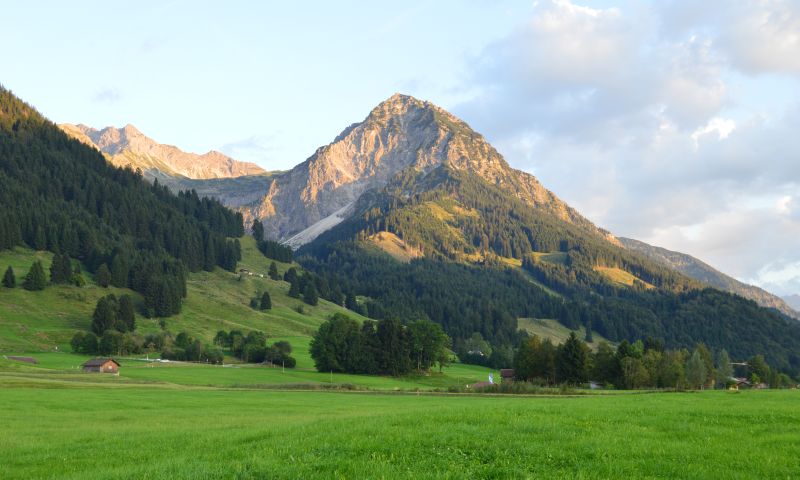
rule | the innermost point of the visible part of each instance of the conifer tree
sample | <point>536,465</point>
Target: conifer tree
<point>55,269</point>
<point>103,275</point>
<point>290,275</point>
<point>266,301</point>
<point>119,271</point>
<point>40,241</point>
<point>35,279</point>
<point>258,230</point>
<point>66,268</point>
<point>105,314</point>
<point>310,296</point>
<point>9,280</point>
<point>294,289</point>
<point>350,302</point>
<point>61,269</point>
<point>273,271</point>
<point>126,317</point>
<point>572,361</point>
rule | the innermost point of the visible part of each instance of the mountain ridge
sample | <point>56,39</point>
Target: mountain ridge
<point>792,300</point>
<point>703,272</point>
<point>127,146</point>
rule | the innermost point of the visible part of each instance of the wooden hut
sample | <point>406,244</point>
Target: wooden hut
<point>101,365</point>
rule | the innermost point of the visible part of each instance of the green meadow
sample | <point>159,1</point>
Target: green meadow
<point>72,430</point>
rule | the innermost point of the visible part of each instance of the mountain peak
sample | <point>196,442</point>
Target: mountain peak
<point>398,104</point>
<point>128,146</point>
<point>129,129</point>
<point>401,98</point>
<point>401,133</point>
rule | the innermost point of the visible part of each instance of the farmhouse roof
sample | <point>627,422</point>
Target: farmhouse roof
<point>97,362</point>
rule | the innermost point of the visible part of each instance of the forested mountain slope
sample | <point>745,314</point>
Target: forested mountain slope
<point>447,242</point>
<point>62,196</point>
<point>702,272</point>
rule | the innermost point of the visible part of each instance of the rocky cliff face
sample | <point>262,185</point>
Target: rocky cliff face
<point>402,132</point>
<point>128,146</point>
<point>698,270</point>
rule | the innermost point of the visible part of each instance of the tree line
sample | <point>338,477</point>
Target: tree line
<point>253,348</point>
<point>635,365</point>
<point>182,347</point>
<point>270,248</point>
<point>382,347</point>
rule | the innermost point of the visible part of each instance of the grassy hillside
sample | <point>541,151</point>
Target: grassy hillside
<point>82,431</point>
<point>44,320</point>
<point>218,300</point>
<point>621,277</point>
<point>555,331</point>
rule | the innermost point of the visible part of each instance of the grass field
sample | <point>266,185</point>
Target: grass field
<point>57,367</point>
<point>183,432</point>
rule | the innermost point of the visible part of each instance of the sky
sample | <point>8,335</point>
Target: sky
<point>673,122</point>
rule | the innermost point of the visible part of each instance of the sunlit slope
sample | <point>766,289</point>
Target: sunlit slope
<point>218,300</point>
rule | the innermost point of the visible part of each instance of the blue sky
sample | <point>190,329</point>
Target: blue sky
<point>268,81</point>
<point>673,122</point>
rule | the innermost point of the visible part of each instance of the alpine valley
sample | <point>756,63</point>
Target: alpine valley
<point>414,215</point>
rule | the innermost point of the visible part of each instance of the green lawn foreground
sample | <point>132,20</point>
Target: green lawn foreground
<point>142,432</point>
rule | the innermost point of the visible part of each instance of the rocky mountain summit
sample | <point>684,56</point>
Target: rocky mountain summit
<point>127,146</point>
<point>400,133</point>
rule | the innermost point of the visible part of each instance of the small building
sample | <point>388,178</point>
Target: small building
<point>101,365</point>
<point>739,383</point>
<point>507,374</point>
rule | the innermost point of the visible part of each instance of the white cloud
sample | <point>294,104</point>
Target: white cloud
<point>628,114</point>
<point>107,95</point>
<point>722,127</point>
<point>764,36</point>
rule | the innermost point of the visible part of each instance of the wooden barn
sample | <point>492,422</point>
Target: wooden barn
<point>101,365</point>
